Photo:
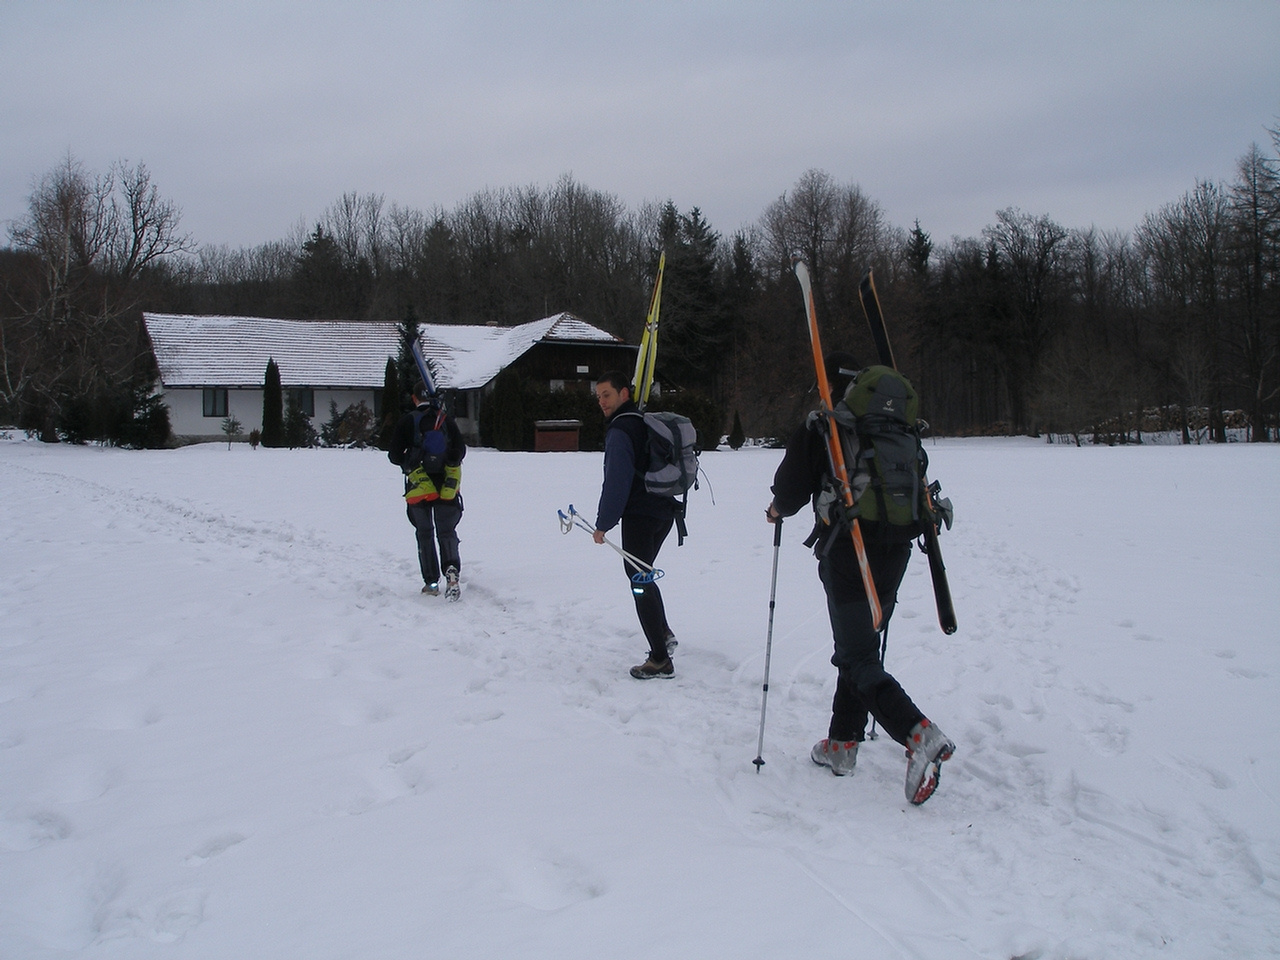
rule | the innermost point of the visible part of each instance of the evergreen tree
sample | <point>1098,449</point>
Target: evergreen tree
<point>736,437</point>
<point>742,291</point>
<point>298,430</point>
<point>919,249</point>
<point>695,327</point>
<point>406,366</point>
<point>272,407</point>
<point>391,394</point>
<point>329,285</point>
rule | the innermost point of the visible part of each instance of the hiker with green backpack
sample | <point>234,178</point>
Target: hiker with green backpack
<point>876,422</point>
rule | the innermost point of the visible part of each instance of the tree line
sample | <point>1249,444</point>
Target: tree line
<point>1032,327</point>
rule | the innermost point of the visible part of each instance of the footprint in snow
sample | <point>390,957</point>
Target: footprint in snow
<point>212,848</point>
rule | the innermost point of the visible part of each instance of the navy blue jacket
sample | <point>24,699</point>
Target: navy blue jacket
<point>626,452</point>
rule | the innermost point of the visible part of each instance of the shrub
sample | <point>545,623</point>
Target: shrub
<point>736,437</point>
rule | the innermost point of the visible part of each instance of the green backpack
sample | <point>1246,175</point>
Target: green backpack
<point>885,410</point>
<point>877,423</point>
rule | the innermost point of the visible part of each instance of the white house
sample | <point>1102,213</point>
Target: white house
<point>213,367</point>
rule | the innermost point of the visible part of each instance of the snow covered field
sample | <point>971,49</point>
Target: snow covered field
<point>231,727</point>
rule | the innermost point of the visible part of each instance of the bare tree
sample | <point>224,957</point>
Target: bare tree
<point>840,232</point>
<point>1185,248</point>
<point>142,225</point>
<point>1032,256</point>
<point>1254,331</point>
<point>72,338</point>
<point>357,224</point>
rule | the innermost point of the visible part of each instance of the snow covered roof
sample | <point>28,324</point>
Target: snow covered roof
<point>197,351</point>
<point>469,357</point>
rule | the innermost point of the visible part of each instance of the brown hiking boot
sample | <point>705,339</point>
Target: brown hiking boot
<point>652,668</point>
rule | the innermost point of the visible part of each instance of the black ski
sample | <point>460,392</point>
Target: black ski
<point>937,569</point>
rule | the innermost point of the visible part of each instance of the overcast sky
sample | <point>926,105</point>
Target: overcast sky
<point>256,116</point>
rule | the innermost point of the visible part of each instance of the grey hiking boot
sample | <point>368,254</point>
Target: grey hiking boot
<point>927,748</point>
<point>652,668</point>
<point>840,755</point>
<point>431,589</point>
<point>452,591</point>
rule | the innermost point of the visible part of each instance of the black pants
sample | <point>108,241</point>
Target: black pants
<point>642,537</point>
<point>436,520</point>
<point>863,686</point>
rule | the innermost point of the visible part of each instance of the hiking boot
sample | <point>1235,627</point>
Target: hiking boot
<point>452,591</point>
<point>927,747</point>
<point>840,755</point>
<point>653,668</point>
<point>431,589</point>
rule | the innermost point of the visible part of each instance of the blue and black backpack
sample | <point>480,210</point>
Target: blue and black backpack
<point>430,441</point>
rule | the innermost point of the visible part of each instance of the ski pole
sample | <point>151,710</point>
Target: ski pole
<point>768,642</point>
<point>645,573</point>
<point>884,643</point>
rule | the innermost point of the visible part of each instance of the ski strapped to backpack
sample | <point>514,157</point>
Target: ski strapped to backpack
<point>835,449</point>
<point>424,370</point>
<point>671,442</point>
<point>938,509</point>
<point>647,355</point>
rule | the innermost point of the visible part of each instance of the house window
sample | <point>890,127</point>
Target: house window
<point>557,386</point>
<point>215,401</point>
<point>306,399</point>
<point>583,368</point>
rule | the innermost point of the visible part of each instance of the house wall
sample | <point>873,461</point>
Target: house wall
<point>188,422</point>
<point>563,363</point>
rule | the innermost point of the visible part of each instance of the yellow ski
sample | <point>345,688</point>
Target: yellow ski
<point>647,358</point>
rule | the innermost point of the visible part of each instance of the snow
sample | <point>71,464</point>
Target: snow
<point>230,725</point>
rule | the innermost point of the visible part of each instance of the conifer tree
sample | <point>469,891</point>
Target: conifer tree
<point>298,429</point>
<point>272,407</point>
<point>406,367</point>
<point>390,404</point>
<point>736,437</point>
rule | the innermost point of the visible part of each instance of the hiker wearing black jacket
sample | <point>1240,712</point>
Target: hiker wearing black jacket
<point>862,684</point>
<point>646,517</point>
<point>433,500</point>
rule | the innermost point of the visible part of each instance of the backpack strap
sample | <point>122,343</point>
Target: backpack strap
<point>642,454</point>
